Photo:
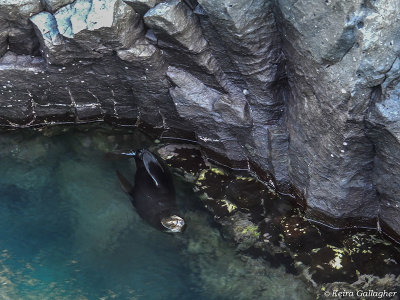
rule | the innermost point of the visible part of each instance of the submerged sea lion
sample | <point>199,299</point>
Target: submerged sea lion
<point>153,193</point>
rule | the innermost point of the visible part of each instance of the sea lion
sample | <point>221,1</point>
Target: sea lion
<point>153,192</point>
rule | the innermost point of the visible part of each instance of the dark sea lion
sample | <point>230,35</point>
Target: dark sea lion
<point>153,193</point>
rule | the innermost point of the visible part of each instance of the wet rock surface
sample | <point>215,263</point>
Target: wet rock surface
<point>276,231</point>
<point>302,92</point>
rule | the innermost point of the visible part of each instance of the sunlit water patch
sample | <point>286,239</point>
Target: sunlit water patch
<point>67,231</point>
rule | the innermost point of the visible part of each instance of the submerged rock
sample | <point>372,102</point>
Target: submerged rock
<point>266,225</point>
<point>245,278</point>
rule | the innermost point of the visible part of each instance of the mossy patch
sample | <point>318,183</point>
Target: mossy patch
<point>251,230</point>
<point>229,205</point>
<point>218,171</point>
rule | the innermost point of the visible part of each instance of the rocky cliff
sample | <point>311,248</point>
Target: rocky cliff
<point>306,91</point>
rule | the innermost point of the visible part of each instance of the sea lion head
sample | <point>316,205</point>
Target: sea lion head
<point>173,224</point>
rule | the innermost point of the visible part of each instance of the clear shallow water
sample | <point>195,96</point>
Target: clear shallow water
<point>67,231</point>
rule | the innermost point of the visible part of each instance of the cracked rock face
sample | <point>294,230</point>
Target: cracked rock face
<point>341,65</point>
<point>304,91</point>
<point>177,22</point>
<point>86,29</point>
<point>16,32</point>
<point>142,6</point>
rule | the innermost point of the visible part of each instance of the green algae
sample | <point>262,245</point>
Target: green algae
<point>251,230</point>
<point>229,205</point>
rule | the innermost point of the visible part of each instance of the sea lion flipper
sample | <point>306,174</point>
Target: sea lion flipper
<point>125,184</point>
<point>152,165</point>
<point>122,154</point>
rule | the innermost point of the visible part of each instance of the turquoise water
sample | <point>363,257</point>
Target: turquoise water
<point>67,231</point>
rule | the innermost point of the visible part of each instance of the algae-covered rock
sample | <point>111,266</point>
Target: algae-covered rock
<point>233,192</point>
<point>242,230</point>
<point>186,159</point>
<point>262,222</point>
